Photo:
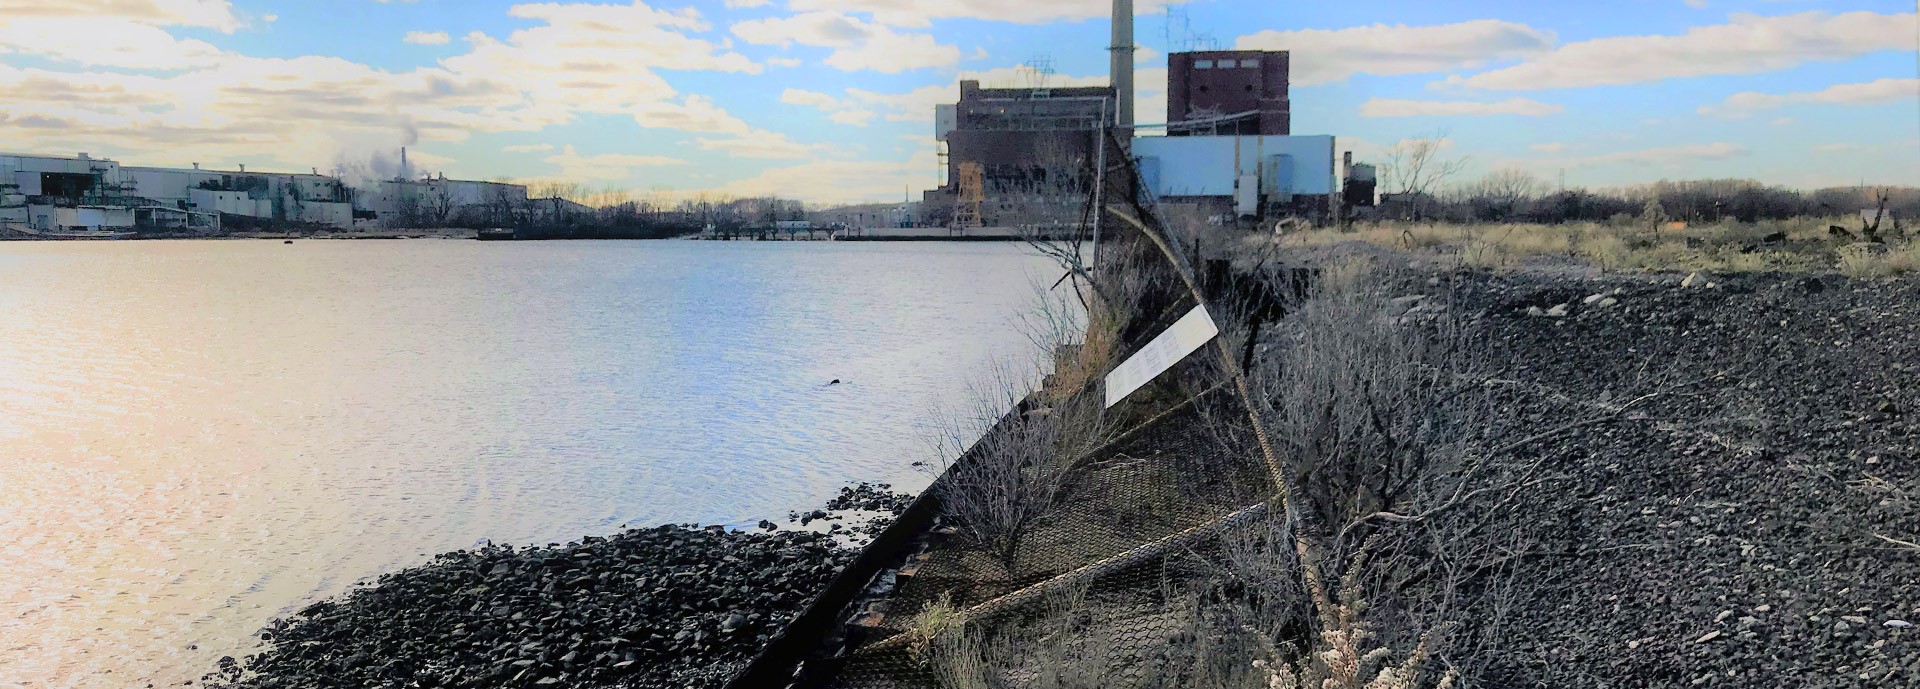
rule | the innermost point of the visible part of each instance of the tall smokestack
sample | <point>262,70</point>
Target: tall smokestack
<point>1122,51</point>
<point>404,173</point>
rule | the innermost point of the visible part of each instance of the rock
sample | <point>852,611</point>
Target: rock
<point>1590,300</point>
<point>1536,311</point>
<point>1722,617</point>
<point>1608,303</point>
<point>1774,238</point>
<point>1709,636</point>
<point>1691,280</point>
<point>1559,311</point>
<point>734,621</point>
<point>1898,624</point>
<point>1855,619</point>
<point>1889,408</point>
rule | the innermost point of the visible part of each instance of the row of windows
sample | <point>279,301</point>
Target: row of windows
<point>1226,64</point>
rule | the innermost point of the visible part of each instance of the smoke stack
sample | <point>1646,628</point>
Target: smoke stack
<point>404,173</point>
<point>1122,51</point>
<point>196,166</point>
<point>243,167</point>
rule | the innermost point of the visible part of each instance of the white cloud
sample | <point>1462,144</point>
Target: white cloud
<point>606,166</point>
<point>597,58</point>
<point>1697,4</point>
<point>783,62</point>
<point>1748,44</point>
<point>761,144</point>
<point>858,45</point>
<point>107,42</point>
<point>743,4</point>
<point>529,148</point>
<point>812,99</point>
<point>892,53</point>
<point>693,114</point>
<point>1324,56</point>
<point>427,38</point>
<point>855,118</point>
<point>842,181</point>
<point>1394,107</point>
<point>1669,155</point>
<point>921,13</point>
<point>1869,93</point>
<point>1784,122</point>
<point>1549,148</point>
<point>212,14</point>
<point>317,111</point>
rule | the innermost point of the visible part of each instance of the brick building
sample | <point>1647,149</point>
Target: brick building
<point>1228,92</point>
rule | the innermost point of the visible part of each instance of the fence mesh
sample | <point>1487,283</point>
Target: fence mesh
<point>1179,470</point>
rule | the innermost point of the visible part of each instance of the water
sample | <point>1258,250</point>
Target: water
<point>196,437</point>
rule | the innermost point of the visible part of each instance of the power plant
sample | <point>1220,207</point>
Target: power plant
<point>1021,156</point>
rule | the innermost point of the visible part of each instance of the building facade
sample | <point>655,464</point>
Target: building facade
<point>1228,92</point>
<point>1019,156</point>
<point>47,195</point>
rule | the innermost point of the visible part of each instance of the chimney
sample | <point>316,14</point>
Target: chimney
<point>243,167</point>
<point>84,156</point>
<point>196,166</point>
<point>404,174</point>
<point>1122,50</point>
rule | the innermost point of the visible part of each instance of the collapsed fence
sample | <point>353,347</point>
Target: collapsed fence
<point>1161,541</point>
<point>1119,521</point>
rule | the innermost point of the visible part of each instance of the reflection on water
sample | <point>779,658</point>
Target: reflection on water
<point>198,436</point>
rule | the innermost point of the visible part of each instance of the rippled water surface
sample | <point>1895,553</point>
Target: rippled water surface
<point>196,437</point>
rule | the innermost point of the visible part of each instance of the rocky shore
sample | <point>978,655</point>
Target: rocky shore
<point>672,606</point>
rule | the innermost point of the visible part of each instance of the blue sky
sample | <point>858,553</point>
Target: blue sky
<point>830,100</point>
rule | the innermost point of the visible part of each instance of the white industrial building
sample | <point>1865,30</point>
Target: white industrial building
<point>87,196</point>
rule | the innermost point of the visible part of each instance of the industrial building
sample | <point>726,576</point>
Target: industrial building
<point>1018,157</point>
<point>1228,93</point>
<point>1021,155</point>
<point>84,196</point>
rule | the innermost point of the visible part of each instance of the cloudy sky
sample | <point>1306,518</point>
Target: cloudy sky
<point>831,100</point>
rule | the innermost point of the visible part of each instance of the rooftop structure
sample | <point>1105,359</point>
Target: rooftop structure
<point>1228,92</point>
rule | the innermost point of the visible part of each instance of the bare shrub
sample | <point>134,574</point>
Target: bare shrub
<point>996,490</point>
<point>1367,406</point>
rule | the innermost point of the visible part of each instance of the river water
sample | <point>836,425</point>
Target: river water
<point>197,437</point>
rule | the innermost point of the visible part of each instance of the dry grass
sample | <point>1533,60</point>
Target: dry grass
<point>1635,246</point>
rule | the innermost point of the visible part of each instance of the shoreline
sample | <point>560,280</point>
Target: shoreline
<point>670,606</point>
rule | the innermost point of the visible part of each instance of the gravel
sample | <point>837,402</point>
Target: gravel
<point>674,606</point>
<point>1731,537</point>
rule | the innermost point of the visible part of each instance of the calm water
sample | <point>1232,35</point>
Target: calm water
<point>196,437</point>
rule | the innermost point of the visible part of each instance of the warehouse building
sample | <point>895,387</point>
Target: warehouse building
<point>86,196</point>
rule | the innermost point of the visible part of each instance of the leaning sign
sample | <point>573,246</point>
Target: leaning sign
<point>1191,332</point>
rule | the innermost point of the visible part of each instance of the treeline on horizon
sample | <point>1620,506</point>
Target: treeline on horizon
<point>1516,196</point>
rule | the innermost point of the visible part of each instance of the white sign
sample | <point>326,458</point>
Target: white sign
<point>1191,332</point>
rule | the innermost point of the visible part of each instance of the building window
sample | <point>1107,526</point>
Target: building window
<point>1203,64</point>
<point>1250,64</point>
<point>1228,64</point>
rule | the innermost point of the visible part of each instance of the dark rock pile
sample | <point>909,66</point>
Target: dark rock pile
<point>669,607</point>
<point>1732,534</point>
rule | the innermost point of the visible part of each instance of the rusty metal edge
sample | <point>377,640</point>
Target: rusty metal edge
<point>792,659</point>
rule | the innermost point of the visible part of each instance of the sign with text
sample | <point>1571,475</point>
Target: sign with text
<point>1191,332</point>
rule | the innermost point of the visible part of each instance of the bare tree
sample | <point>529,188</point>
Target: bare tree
<point>1415,169</point>
<point>1508,190</point>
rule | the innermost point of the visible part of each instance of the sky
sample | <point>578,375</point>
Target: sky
<point>832,100</point>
